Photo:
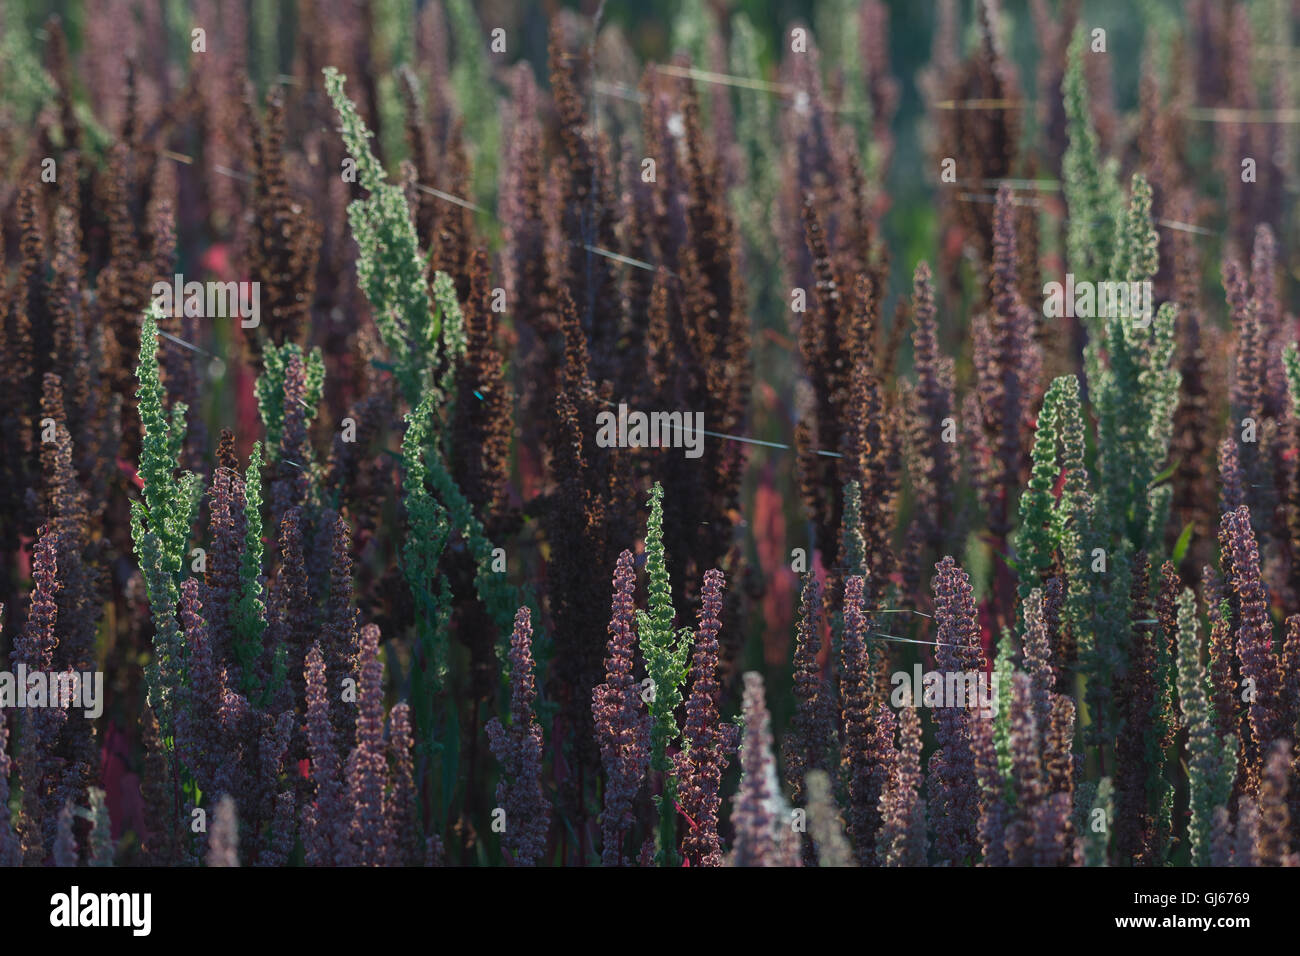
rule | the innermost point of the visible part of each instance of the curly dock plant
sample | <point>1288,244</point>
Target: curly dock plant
<point>434,507</point>
<point>1135,392</point>
<point>424,330</point>
<point>160,524</point>
<point>431,520</point>
<point>1060,530</point>
<point>424,333</point>
<point>1038,537</point>
<point>1091,187</point>
<point>428,531</point>
<point>665,658</point>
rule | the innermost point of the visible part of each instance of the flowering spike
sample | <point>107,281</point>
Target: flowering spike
<point>621,719</point>
<point>519,750</point>
<point>706,741</point>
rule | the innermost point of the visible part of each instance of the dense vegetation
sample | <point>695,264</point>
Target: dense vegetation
<point>368,587</point>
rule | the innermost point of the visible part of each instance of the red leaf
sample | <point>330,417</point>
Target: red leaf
<point>132,475</point>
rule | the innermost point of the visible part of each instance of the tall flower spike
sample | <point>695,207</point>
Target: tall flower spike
<point>1274,814</point>
<point>988,137</point>
<point>1006,384</point>
<point>753,816</point>
<point>101,830</point>
<point>1027,776</point>
<point>1059,640</point>
<point>484,416</point>
<point>524,262</point>
<point>1290,667</point>
<point>1052,828</point>
<point>390,268</point>
<point>38,639</point>
<point>1136,699</point>
<point>993,804</point>
<point>66,512</point>
<point>326,825</point>
<point>582,526</point>
<point>706,741</point>
<point>621,719</point>
<point>872,442</point>
<point>285,244</point>
<point>1248,372</point>
<point>226,541</point>
<point>1268,315</point>
<point>407,846</point>
<point>812,729</point>
<point>250,612</point>
<point>160,523</point>
<point>1038,657</point>
<point>223,839</point>
<point>39,728</point>
<point>1037,536</point>
<point>1224,699</point>
<point>159,842</point>
<point>1091,192</point>
<point>367,769</point>
<point>853,546</point>
<point>1211,761</point>
<point>65,844</point>
<point>665,655</point>
<point>292,486</point>
<point>519,751</point>
<point>340,635</point>
<point>954,794</point>
<point>1245,851</point>
<point>860,761</point>
<point>1232,483</point>
<point>902,833</point>
<point>823,350</point>
<point>280,840</point>
<point>30,300</point>
<point>1254,643</point>
<point>10,849</point>
<point>1221,843</point>
<point>583,211</point>
<point>292,618</point>
<point>1248,389</point>
<point>68,320</point>
<point>1134,384</point>
<point>199,735</point>
<point>1058,746</point>
<point>824,824</point>
<point>269,791</point>
<point>1167,723</point>
<point>1291,469</point>
<point>717,322</point>
<point>1194,423</point>
<point>933,407</point>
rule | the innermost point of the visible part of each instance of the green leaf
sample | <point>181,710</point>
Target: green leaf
<point>1166,474</point>
<point>1182,544</point>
